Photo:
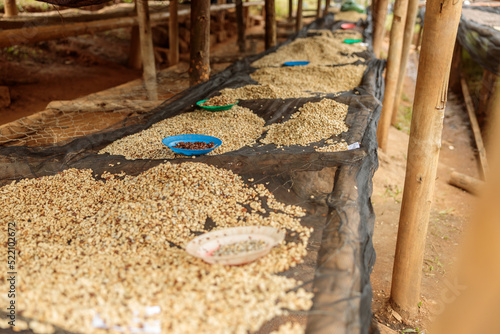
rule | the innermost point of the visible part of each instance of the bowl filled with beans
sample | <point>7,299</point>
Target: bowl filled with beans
<point>192,144</point>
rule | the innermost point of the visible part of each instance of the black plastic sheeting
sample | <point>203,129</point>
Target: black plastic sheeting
<point>481,41</point>
<point>341,247</point>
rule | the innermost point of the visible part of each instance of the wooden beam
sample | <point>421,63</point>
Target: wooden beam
<point>10,8</point>
<point>147,51</point>
<point>392,71</point>
<point>466,182</point>
<point>173,33</point>
<point>270,27</point>
<point>475,127</point>
<point>409,28</point>
<point>240,24</point>
<point>379,26</point>
<point>441,25</point>
<point>199,69</point>
<point>298,20</point>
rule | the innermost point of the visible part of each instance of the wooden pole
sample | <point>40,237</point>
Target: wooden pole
<point>318,10</point>
<point>241,24</point>
<point>147,51</point>
<point>134,55</point>
<point>173,33</point>
<point>290,10</point>
<point>411,17</point>
<point>298,20</point>
<point>270,24</point>
<point>441,24</point>
<point>466,182</point>
<point>379,26</point>
<point>10,8</point>
<point>327,6</point>
<point>475,127</point>
<point>392,70</point>
<point>199,69</point>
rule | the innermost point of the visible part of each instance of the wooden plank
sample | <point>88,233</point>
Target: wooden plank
<point>173,33</point>
<point>475,127</point>
<point>411,17</point>
<point>466,182</point>
<point>441,25</point>
<point>199,69</point>
<point>270,26</point>
<point>147,52</point>
<point>392,71</point>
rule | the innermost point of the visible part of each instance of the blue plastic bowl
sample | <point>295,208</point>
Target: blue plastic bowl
<point>171,141</point>
<point>296,63</point>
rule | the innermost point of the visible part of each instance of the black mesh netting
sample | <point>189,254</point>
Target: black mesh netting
<point>340,251</point>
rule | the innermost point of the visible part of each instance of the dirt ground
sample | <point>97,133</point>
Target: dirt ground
<point>75,67</point>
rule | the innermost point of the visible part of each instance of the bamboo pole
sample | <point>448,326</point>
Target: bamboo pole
<point>10,8</point>
<point>199,69</point>
<point>391,74</point>
<point>173,33</point>
<point>241,24</point>
<point>298,20</point>
<point>147,52</point>
<point>441,24</point>
<point>270,24</point>
<point>379,26</point>
<point>475,127</point>
<point>411,17</point>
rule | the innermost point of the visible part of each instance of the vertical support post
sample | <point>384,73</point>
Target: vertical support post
<point>147,52</point>
<point>270,24</point>
<point>134,56</point>
<point>456,63</point>
<point>10,8</point>
<point>173,33</point>
<point>318,10</point>
<point>290,10</point>
<point>327,5</point>
<point>411,17</point>
<point>391,74</point>
<point>241,24</point>
<point>441,24</point>
<point>298,20</point>
<point>199,69</point>
<point>379,26</point>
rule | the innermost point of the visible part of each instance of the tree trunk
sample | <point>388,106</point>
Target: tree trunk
<point>10,8</point>
<point>391,74</point>
<point>411,16</point>
<point>147,52</point>
<point>441,24</point>
<point>199,70</point>
<point>173,33</point>
<point>241,24</point>
<point>379,26</point>
<point>270,24</point>
<point>298,20</point>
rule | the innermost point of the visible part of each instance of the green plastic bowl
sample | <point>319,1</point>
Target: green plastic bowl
<point>215,108</point>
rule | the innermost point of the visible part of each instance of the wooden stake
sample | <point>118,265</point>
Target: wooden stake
<point>298,20</point>
<point>327,6</point>
<point>475,127</point>
<point>270,24</point>
<point>411,17</point>
<point>134,55</point>
<point>10,8</point>
<point>147,52</point>
<point>379,26</point>
<point>392,70</point>
<point>199,70</point>
<point>441,24</point>
<point>318,10</point>
<point>241,24</point>
<point>173,33</point>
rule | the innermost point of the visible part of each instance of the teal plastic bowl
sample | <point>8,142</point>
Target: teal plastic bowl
<point>171,141</point>
<point>215,108</point>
